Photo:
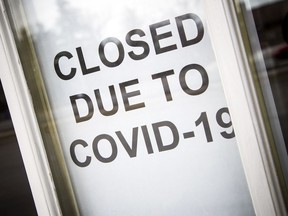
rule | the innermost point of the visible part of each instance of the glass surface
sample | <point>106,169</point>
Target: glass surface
<point>137,100</point>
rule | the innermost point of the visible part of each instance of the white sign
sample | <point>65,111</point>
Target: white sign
<point>139,106</point>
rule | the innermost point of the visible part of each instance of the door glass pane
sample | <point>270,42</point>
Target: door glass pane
<point>138,104</point>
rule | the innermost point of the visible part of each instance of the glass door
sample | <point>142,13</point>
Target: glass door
<point>133,107</point>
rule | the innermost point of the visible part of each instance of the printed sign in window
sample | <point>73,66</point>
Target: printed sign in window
<point>139,107</point>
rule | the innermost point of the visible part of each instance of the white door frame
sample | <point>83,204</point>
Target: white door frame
<point>25,123</point>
